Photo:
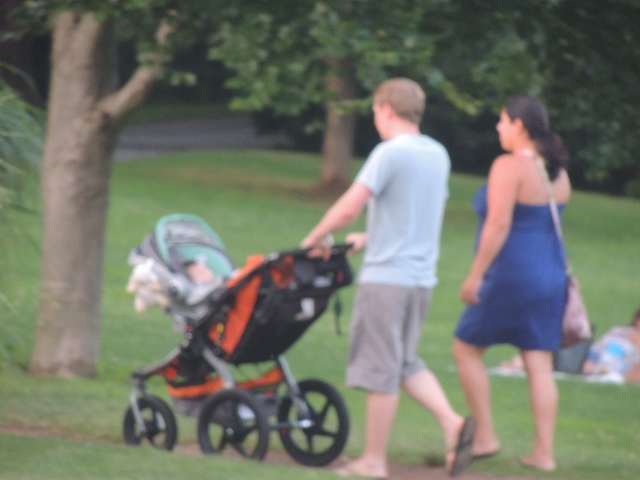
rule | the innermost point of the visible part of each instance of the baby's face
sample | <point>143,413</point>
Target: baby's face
<point>199,273</point>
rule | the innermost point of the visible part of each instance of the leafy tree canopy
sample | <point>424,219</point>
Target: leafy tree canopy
<point>580,58</point>
<point>282,60</point>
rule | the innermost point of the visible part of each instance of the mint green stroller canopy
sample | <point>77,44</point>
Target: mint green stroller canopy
<point>184,238</point>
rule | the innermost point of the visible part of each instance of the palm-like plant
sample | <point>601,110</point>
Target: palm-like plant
<point>21,133</point>
<point>21,136</point>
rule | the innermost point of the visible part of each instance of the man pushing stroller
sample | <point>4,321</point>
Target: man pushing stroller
<point>403,183</point>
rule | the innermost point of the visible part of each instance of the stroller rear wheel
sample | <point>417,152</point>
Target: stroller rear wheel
<point>233,417</point>
<point>319,438</point>
<point>160,426</point>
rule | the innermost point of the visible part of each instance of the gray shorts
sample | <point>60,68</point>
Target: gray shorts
<point>385,330</point>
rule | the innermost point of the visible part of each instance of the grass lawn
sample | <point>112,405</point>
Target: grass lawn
<point>262,201</point>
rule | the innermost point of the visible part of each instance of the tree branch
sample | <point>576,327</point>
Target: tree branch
<point>135,90</point>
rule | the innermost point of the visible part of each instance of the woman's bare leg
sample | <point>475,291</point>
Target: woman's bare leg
<point>544,405</point>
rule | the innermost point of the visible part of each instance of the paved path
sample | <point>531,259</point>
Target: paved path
<point>230,131</point>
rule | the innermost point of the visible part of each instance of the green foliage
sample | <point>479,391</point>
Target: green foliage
<point>21,130</point>
<point>279,53</point>
<point>598,45</point>
<point>581,58</point>
<point>136,25</point>
<point>484,55</point>
<point>268,56</point>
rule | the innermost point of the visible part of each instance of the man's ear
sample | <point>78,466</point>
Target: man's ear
<point>387,110</point>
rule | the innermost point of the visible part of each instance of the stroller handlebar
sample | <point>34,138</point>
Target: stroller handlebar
<point>337,249</point>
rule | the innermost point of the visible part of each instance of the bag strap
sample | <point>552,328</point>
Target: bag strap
<point>553,206</point>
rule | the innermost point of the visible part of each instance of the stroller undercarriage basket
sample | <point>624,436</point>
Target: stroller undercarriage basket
<point>260,312</point>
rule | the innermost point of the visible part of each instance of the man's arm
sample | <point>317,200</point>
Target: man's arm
<point>342,214</point>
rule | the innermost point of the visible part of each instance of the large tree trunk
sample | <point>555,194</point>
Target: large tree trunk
<point>339,135</point>
<point>84,118</point>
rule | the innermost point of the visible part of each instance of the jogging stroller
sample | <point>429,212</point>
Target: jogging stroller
<point>249,316</point>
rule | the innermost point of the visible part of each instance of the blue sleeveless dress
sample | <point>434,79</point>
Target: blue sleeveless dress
<point>523,293</point>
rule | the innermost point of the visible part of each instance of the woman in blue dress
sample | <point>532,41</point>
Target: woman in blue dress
<point>515,289</point>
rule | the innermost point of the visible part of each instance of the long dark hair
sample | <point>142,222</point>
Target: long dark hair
<point>535,119</point>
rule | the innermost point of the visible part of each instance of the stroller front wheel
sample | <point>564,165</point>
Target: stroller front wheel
<point>318,436</point>
<point>233,417</point>
<point>158,423</point>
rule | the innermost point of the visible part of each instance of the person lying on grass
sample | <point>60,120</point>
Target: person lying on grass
<point>616,355</point>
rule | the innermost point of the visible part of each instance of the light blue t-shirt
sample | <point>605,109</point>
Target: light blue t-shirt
<point>408,177</point>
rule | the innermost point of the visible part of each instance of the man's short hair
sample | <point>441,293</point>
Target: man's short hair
<point>404,96</point>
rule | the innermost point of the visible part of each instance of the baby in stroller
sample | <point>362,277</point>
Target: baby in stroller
<point>232,317</point>
<point>178,267</point>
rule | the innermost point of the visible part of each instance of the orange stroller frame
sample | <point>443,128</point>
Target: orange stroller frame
<point>260,312</point>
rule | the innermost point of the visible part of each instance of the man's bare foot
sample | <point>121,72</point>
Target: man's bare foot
<point>451,434</point>
<point>543,464</point>
<point>361,468</point>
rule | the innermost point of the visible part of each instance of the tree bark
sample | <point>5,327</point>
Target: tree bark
<point>339,135</point>
<point>85,114</point>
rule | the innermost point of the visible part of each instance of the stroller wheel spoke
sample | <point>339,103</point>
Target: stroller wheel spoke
<point>316,435</point>
<point>319,423</point>
<point>234,417</point>
<point>224,439</point>
<point>310,447</point>
<point>321,432</point>
<point>320,417</point>
<point>238,447</point>
<point>159,425</point>
<point>152,431</point>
